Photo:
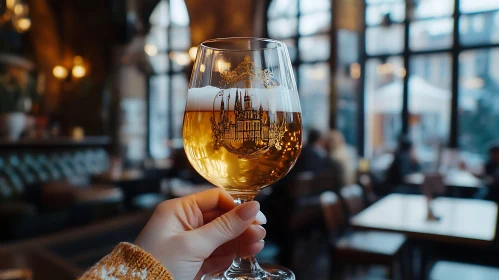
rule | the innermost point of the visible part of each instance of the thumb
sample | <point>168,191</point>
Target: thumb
<point>226,227</point>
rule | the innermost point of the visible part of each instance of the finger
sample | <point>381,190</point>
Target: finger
<point>252,249</point>
<point>243,250</point>
<point>224,228</point>
<point>211,215</point>
<point>215,264</point>
<point>253,234</point>
<point>212,199</point>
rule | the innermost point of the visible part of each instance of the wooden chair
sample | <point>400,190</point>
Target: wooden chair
<point>306,190</point>
<point>357,247</point>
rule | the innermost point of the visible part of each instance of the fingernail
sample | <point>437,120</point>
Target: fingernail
<point>260,218</point>
<point>248,210</point>
<point>264,230</point>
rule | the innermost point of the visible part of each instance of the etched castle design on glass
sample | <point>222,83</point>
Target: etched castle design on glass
<point>245,131</point>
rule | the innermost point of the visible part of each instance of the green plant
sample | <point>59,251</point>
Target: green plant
<point>12,95</point>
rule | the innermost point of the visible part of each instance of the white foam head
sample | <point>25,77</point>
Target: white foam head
<point>275,99</point>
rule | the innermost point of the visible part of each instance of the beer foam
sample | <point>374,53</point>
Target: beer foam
<point>274,99</point>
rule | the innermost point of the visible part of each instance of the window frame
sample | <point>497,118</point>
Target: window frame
<point>169,74</point>
<point>454,50</point>
<point>298,62</point>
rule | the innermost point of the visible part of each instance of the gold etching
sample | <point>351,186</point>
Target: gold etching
<point>245,130</point>
<point>247,72</point>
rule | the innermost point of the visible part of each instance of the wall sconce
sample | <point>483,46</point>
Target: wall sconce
<point>78,70</point>
<point>16,13</point>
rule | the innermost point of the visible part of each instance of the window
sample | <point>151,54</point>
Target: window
<point>167,46</point>
<point>429,102</point>
<point>415,96</point>
<point>347,80</point>
<point>478,102</point>
<point>383,103</point>
<point>305,28</point>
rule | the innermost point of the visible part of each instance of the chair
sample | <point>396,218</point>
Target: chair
<point>306,190</point>
<point>357,247</point>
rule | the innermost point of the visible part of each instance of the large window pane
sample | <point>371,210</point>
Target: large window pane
<point>429,103</point>
<point>181,38</point>
<point>314,95</point>
<point>179,92</point>
<point>376,13</point>
<point>433,8</point>
<point>159,62</point>
<point>383,105</point>
<point>431,34</point>
<point>478,103</point>
<point>179,14</point>
<point>308,6</point>
<point>158,116</point>
<point>160,16</point>
<point>283,27</point>
<point>157,36</point>
<point>470,6</point>
<point>314,48</point>
<point>283,8</point>
<point>385,40</point>
<point>348,45</point>
<point>315,23</point>
<point>479,29</point>
<point>347,77</point>
<point>383,1</point>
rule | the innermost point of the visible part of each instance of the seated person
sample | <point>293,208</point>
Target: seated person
<point>314,156</point>
<point>492,172</point>
<point>492,165</point>
<point>339,151</point>
<point>404,163</point>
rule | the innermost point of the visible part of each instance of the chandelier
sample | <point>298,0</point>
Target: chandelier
<point>16,14</point>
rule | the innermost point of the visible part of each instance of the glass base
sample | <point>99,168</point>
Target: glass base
<point>271,272</point>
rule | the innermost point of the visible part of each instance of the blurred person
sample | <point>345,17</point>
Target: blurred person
<point>492,165</point>
<point>280,204</point>
<point>405,162</point>
<point>338,151</point>
<point>492,172</point>
<point>186,238</point>
<point>314,157</point>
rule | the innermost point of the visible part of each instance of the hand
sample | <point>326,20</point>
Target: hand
<point>202,233</point>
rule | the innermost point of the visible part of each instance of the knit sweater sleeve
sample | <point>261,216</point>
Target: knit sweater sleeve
<point>127,262</point>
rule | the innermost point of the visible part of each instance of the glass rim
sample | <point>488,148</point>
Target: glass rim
<point>206,44</point>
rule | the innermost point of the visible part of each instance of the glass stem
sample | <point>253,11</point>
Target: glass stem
<point>247,267</point>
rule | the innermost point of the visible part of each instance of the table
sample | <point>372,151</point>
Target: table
<point>463,221</point>
<point>462,271</point>
<point>454,179</point>
<point>127,176</point>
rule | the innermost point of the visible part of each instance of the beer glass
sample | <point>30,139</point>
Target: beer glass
<point>242,126</point>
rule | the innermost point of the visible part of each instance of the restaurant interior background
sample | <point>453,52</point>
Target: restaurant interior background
<point>92,97</point>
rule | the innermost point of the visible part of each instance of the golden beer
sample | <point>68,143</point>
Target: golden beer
<point>247,164</point>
